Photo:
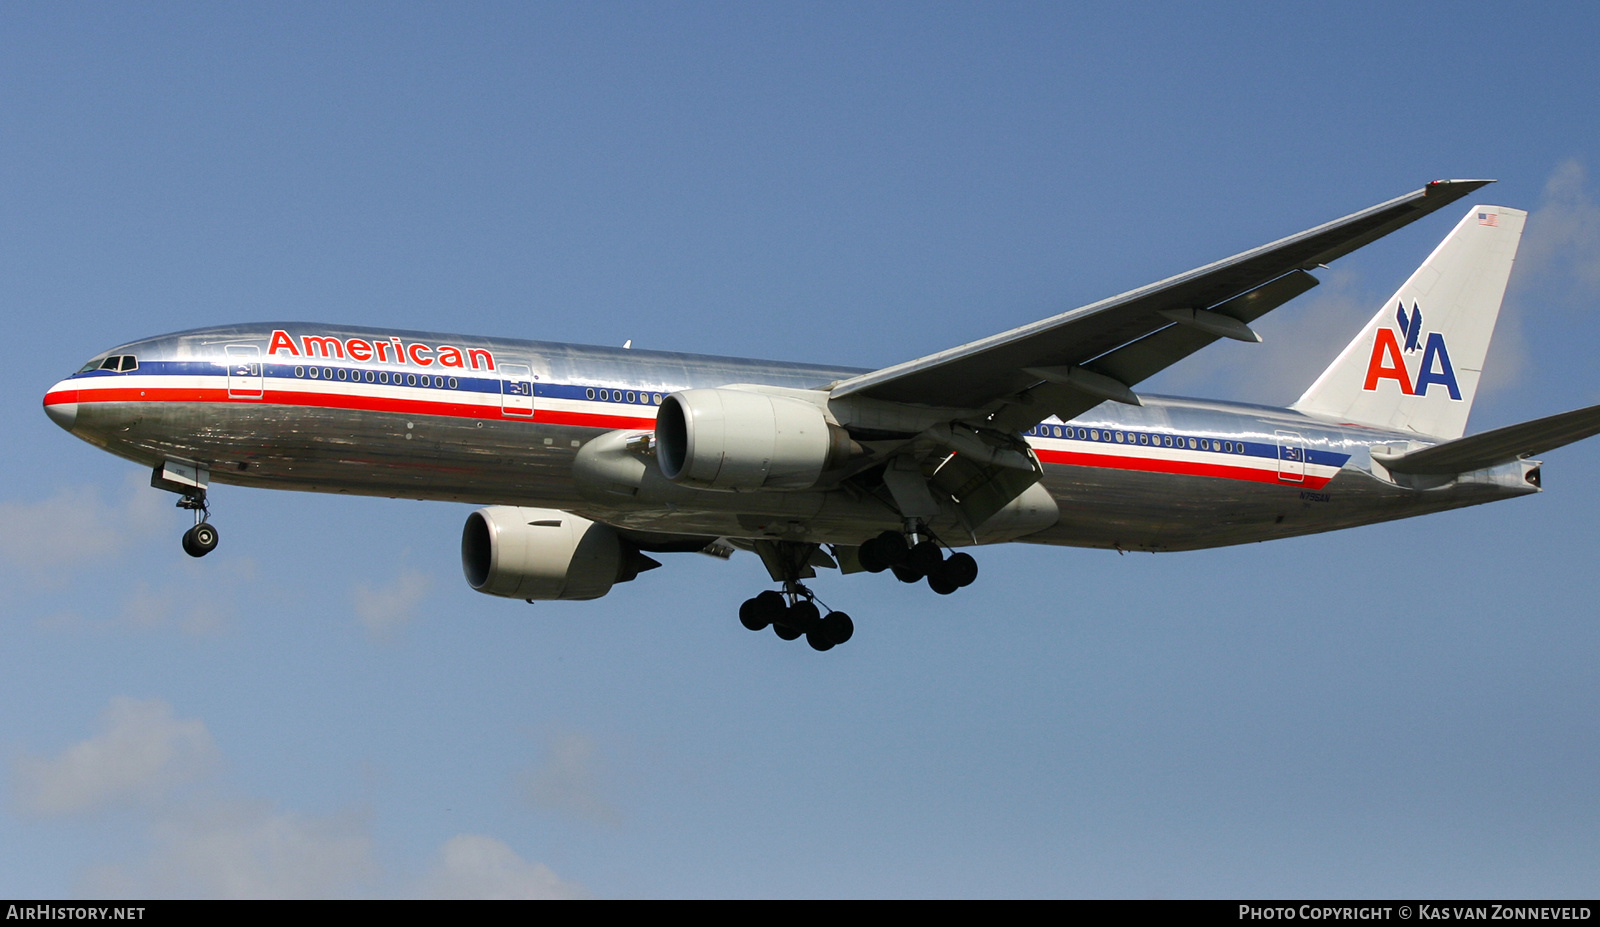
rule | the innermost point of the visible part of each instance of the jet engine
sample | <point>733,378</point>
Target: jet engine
<point>738,440</point>
<point>533,554</point>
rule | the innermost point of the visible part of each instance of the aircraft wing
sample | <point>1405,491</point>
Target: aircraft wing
<point>1069,363</point>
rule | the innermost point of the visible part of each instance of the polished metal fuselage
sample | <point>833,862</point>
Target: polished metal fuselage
<point>502,421</point>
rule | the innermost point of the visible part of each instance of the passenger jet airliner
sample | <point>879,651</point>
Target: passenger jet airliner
<point>589,458</point>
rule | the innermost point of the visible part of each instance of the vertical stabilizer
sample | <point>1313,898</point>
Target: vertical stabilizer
<point>1415,366</point>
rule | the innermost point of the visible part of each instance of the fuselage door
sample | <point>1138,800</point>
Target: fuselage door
<point>244,371</point>
<point>516,389</point>
<point>1291,457</point>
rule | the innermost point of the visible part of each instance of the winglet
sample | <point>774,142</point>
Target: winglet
<point>1439,186</point>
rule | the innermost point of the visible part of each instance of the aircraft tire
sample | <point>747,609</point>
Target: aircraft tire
<point>785,632</point>
<point>751,615</point>
<point>962,568</point>
<point>871,560</point>
<point>804,616</point>
<point>818,640</point>
<point>838,627</point>
<point>200,540</point>
<point>925,558</point>
<point>769,607</point>
<point>940,582</point>
<point>906,574</point>
<point>891,548</point>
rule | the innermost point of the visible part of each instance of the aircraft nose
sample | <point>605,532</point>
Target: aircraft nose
<point>61,404</point>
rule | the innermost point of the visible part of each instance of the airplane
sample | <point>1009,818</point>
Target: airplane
<point>589,459</point>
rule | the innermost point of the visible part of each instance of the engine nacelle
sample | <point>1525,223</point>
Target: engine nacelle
<point>545,554</point>
<point>738,440</point>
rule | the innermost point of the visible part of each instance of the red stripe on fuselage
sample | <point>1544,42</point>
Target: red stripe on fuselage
<point>1183,467</point>
<point>303,399</point>
<point>281,397</point>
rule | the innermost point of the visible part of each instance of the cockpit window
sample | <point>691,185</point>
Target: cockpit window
<point>116,362</point>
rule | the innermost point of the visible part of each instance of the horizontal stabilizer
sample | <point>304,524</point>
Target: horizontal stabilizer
<point>1502,445</point>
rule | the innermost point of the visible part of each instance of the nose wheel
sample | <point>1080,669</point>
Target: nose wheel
<point>202,538</point>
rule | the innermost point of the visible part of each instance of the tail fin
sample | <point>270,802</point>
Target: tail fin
<point>1415,367</point>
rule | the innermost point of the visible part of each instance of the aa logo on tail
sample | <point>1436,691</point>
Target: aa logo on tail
<point>1389,362</point>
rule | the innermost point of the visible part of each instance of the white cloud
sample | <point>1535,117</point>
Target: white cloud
<point>140,752</point>
<point>245,849</point>
<point>202,846</point>
<point>386,611</point>
<point>75,525</point>
<point>1558,268</point>
<point>1561,246</point>
<point>569,780</point>
<point>201,600</point>
<point>476,866</point>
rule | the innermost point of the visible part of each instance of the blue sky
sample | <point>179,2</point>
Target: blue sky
<point>323,707</point>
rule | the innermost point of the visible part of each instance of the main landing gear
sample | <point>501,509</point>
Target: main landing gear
<point>794,613</point>
<point>912,556</point>
<point>918,558</point>
<point>202,538</point>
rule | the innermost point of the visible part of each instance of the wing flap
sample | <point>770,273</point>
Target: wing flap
<point>1141,359</point>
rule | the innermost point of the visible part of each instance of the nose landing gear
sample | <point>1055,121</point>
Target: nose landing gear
<point>189,482</point>
<point>202,538</point>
